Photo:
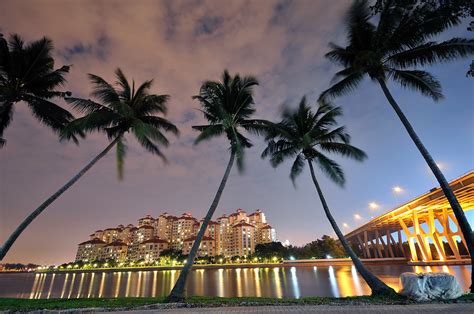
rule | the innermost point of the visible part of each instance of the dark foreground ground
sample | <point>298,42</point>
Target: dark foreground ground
<point>362,304</point>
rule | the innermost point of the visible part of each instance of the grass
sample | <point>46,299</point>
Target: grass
<point>14,304</point>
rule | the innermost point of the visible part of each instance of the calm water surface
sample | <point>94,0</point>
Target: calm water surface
<point>277,282</point>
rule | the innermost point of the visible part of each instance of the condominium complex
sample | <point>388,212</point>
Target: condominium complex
<point>233,235</point>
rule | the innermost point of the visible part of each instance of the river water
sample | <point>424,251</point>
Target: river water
<point>293,282</point>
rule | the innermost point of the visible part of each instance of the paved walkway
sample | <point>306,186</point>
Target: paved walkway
<point>353,309</point>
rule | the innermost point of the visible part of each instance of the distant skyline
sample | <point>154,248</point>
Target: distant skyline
<point>180,44</point>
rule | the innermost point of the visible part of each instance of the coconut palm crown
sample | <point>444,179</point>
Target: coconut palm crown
<point>394,47</point>
<point>27,74</point>
<point>303,135</point>
<point>122,108</point>
<point>228,106</point>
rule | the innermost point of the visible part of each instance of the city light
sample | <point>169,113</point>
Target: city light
<point>357,217</point>
<point>374,205</point>
<point>397,189</point>
<point>345,225</point>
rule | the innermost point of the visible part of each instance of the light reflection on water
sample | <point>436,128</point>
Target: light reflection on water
<point>294,282</point>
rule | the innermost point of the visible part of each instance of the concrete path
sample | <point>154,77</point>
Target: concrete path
<point>353,309</point>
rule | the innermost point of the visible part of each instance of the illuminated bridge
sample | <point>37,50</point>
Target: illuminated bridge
<point>423,230</point>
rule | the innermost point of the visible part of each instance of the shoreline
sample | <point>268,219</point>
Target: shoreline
<point>284,264</point>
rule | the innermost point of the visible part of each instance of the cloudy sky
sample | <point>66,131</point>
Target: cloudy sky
<point>180,44</point>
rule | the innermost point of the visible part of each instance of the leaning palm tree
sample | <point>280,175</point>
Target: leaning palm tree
<point>228,106</point>
<point>27,75</point>
<point>306,136</point>
<point>120,109</point>
<point>389,50</point>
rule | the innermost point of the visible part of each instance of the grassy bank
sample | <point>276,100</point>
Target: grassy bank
<point>13,304</point>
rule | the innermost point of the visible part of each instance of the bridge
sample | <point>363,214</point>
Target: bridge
<point>423,230</point>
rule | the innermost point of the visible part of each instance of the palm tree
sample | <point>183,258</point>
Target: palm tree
<point>303,135</point>
<point>121,109</point>
<point>388,50</point>
<point>27,75</point>
<point>228,106</point>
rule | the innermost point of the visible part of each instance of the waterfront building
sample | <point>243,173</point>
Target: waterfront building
<point>234,235</point>
<point>116,250</point>
<point>206,248</point>
<point>90,250</point>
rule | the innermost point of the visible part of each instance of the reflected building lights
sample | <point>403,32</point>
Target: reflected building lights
<point>117,288</point>
<point>139,284</point>
<point>64,286</point>
<point>333,282</point>
<point>220,282</point>
<point>356,280</point>
<point>294,281</point>
<point>127,288</point>
<point>91,284</point>
<point>258,291</point>
<point>81,282</point>
<point>101,287</point>
<point>51,286</point>
<point>33,289</point>
<point>153,289</point>
<point>72,285</point>
<point>276,273</point>
<point>239,282</point>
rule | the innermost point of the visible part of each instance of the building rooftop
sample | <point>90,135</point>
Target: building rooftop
<point>117,243</point>
<point>204,238</point>
<point>93,241</point>
<point>155,240</point>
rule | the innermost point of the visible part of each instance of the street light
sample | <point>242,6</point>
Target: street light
<point>357,217</point>
<point>345,225</point>
<point>373,205</point>
<point>397,189</point>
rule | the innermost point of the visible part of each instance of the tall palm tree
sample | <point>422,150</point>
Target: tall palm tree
<point>120,109</point>
<point>303,135</point>
<point>227,106</point>
<point>27,75</point>
<point>391,49</point>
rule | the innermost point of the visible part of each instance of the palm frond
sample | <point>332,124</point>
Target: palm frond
<point>432,53</point>
<point>208,132</point>
<point>85,105</point>
<point>330,168</point>
<point>344,149</point>
<point>342,87</point>
<point>49,113</point>
<point>297,168</point>
<point>420,81</point>
<point>103,91</point>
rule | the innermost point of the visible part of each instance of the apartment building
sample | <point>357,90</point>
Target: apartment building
<point>234,235</point>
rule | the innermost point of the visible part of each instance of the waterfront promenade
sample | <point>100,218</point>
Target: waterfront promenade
<point>354,309</point>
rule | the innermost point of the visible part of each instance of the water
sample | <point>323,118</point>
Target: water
<point>293,282</point>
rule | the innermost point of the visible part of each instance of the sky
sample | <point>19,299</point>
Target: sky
<point>180,44</point>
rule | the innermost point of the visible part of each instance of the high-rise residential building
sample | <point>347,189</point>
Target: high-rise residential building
<point>234,235</point>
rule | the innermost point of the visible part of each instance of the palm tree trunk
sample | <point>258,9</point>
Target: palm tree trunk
<point>378,286</point>
<point>177,293</point>
<point>457,209</point>
<point>9,242</point>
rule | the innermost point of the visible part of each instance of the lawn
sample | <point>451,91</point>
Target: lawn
<point>14,304</point>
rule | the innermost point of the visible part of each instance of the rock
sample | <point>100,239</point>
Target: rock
<point>430,286</point>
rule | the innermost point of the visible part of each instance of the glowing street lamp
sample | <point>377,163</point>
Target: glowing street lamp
<point>345,225</point>
<point>357,217</point>
<point>397,189</point>
<point>374,205</point>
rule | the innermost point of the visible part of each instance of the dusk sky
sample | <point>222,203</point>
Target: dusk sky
<point>180,44</point>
